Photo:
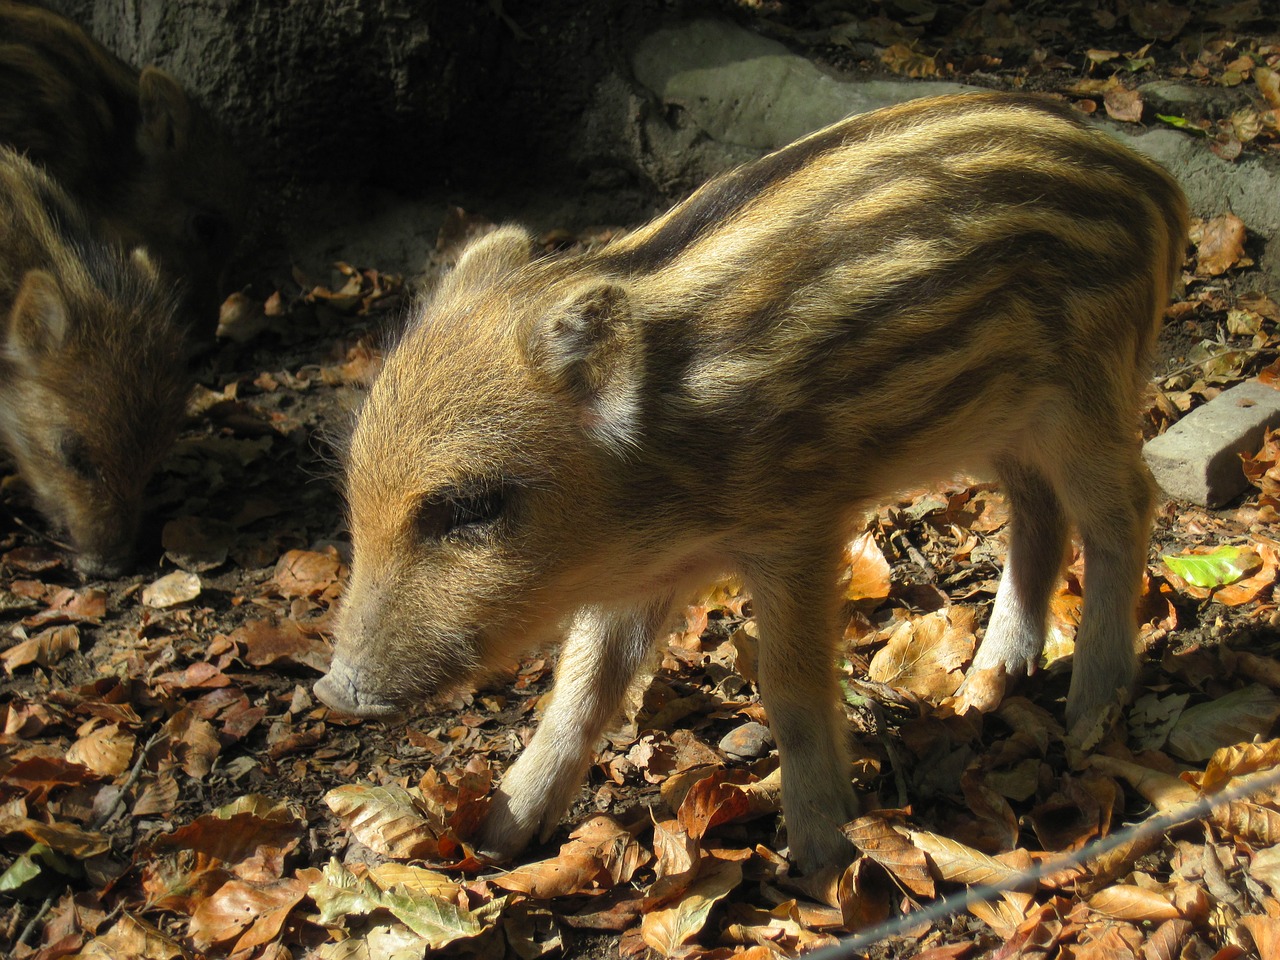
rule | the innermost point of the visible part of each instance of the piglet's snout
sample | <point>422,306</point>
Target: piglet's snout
<point>340,690</point>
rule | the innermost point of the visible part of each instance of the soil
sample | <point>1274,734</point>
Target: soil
<point>256,472</point>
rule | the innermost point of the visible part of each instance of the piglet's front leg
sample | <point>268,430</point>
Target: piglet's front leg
<point>598,661</point>
<point>795,604</point>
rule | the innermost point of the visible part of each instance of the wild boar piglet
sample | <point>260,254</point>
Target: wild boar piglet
<point>93,371</point>
<point>565,447</point>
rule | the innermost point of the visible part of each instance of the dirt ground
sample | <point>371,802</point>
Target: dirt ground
<point>154,722</point>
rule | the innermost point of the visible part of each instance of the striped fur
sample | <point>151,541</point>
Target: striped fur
<point>93,370</point>
<point>956,283</point>
<point>145,162</point>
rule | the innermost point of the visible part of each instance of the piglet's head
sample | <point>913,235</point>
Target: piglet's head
<point>486,476</point>
<point>94,379</point>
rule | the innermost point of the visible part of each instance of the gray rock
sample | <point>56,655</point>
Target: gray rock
<point>1248,187</point>
<point>745,94</point>
<point>1192,100</point>
<point>1198,458</point>
<point>747,90</point>
<point>748,741</point>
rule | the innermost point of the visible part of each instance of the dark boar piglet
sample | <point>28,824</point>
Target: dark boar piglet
<point>93,373</point>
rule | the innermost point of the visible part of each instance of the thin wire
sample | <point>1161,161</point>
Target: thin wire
<point>955,903</point>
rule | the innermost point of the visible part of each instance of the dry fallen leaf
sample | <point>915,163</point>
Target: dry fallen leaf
<point>925,655</point>
<point>874,836</point>
<point>869,570</point>
<point>1221,245</point>
<point>388,820</point>
<point>1128,902</point>
<point>669,928</point>
<point>172,589</point>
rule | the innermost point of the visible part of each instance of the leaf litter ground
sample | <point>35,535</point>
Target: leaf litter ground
<point>170,788</point>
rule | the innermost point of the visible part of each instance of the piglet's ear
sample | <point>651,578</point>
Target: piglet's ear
<point>142,260</point>
<point>166,114</point>
<point>497,252</point>
<point>589,348</point>
<point>38,322</point>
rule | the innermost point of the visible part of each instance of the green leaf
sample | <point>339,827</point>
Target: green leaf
<point>438,921</point>
<point>340,893</point>
<point>21,873</point>
<point>1182,123</point>
<point>1225,565</point>
<point>32,875</point>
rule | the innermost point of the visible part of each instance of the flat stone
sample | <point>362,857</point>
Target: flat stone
<point>1198,458</point>
<point>748,741</point>
<point>1192,100</point>
<point>748,90</point>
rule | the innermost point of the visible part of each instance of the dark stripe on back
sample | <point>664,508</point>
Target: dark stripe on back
<point>723,197</point>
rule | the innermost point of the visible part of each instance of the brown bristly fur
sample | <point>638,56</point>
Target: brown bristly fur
<point>143,159</point>
<point>93,371</point>
<point>567,447</point>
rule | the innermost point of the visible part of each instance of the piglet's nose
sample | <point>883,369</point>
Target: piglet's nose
<point>339,690</point>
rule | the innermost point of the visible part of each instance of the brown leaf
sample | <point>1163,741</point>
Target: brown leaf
<point>1123,105</point>
<point>1235,717</point>
<point>869,570</point>
<point>253,913</point>
<point>417,880</point>
<point>71,606</point>
<point>1127,902</point>
<point>38,775</point>
<point>108,750</point>
<point>172,589</point>
<point>46,648</point>
<point>957,863</point>
<point>668,929</point>
<point>862,892</point>
<point>32,559</point>
<point>901,59</point>
<point>134,938</point>
<point>565,875</point>
<point>387,820</point>
<point>924,655</point>
<point>1253,586</point>
<point>156,796</point>
<point>676,852</point>
<point>307,573</point>
<point>1237,761</point>
<point>193,743</point>
<point>764,797</point>
<point>252,845</point>
<point>1265,932</point>
<point>1268,82</point>
<point>1005,915</point>
<point>598,855</point>
<point>1265,867</point>
<point>267,644</point>
<point>1164,791</point>
<point>197,676</point>
<point>874,836</point>
<point>712,801</point>
<point>1221,245</point>
<point>63,837</point>
<point>1166,943</point>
